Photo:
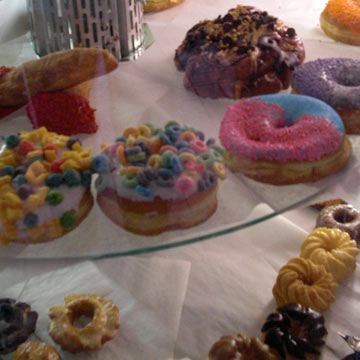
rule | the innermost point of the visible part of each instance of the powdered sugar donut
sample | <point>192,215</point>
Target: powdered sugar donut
<point>284,139</point>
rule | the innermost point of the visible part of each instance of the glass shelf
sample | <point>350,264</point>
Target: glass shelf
<point>151,90</point>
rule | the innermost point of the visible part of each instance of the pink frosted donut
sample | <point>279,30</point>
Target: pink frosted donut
<point>284,139</point>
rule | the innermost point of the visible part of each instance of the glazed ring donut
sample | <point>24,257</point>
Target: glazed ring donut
<point>17,323</point>
<point>244,53</point>
<point>334,81</point>
<point>332,248</point>
<point>32,350</point>
<point>159,5</point>
<point>340,20</point>
<point>344,217</point>
<point>303,282</point>
<point>103,326</point>
<point>295,332</point>
<point>240,347</point>
<point>284,139</point>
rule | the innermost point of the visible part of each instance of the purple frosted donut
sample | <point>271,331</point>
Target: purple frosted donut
<point>335,81</point>
<point>344,217</point>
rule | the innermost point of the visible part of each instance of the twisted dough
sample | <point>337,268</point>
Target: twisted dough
<point>104,324</point>
<point>240,347</point>
<point>332,248</point>
<point>32,350</point>
<point>301,281</point>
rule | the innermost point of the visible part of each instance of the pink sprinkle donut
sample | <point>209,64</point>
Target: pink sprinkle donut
<point>283,131</point>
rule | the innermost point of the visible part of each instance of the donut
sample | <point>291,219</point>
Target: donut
<point>344,217</point>
<point>240,347</point>
<point>17,322</point>
<point>335,81</point>
<point>340,20</point>
<point>322,204</point>
<point>332,248</point>
<point>159,5</point>
<point>284,139</point>
<point>295,332</point>
<point>75,337</point>
<point>304,282</point>
<point>32,350</point>
<point>157,179</point>
<point>44,186</point>
<point>247,52</point>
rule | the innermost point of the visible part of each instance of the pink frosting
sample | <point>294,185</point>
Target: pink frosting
<point>258,131</point>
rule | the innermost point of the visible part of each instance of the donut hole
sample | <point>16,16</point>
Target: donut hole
<point>82,314</point>
<point>343,217</point>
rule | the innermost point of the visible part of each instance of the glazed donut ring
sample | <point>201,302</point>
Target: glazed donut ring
<point>340,20</point>
<point>343,217</point>
<point>104,324</point>
<point>303,282</point>
<point>159,5</point>
<point>240,347</point>
<point>17,322</point>
<point>32,350</point>
<point>295,332</point>
<point>332,248</point>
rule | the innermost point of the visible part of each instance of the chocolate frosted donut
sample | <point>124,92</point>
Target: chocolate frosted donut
<point>294,331</point>
<point>335,81</point>
<point>17,323</point>
<point>343,217</point>
<point>244,53</point>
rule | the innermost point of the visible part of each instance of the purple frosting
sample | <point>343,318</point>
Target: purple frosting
<point>335,81</point>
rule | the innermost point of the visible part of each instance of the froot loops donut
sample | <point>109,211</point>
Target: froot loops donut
<point>340,20</point>
<point>103,325</point>
<point>335,81</point>
<point>17,322</point>
<point>157,179</point>
<point>284,139</point>
<point>44,186</point>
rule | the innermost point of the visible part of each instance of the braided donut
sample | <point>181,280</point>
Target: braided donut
<point>17,323</point>
<point>32,350</point>
<point>240,347</point>
<point>295,332</point>
<point>104,324</point>
<point>332,248</point>
<point>301,281</point>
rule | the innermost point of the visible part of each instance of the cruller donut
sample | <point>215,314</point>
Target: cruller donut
<point>284,139</point>
<point>103,326</point>
<point>31,350</point>
<point>244,53</point>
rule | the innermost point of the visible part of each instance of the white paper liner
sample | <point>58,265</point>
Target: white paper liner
<point>149,316</point>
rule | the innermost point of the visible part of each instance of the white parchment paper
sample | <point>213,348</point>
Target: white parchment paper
<point>148,292</point>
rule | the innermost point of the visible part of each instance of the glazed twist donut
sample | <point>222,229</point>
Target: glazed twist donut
<point>332,248</point>
<point>240,347</point>
<point>32,350</point>
<point>301,281</point>
<point>104,324</point>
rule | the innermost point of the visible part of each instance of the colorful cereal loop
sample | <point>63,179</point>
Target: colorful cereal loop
<point>198,146</point>
<point>144,131</point>
<point>133,169</point>
<point>155,145</point>
<point>168,147</point>
<point>187,136</point>
<point>185,185</point>
<point>185,157</point>
<point>219,170</point>
<point>131,131</point>
<point>154,161</point>
<point>120,154</point>
<point>130,141</point>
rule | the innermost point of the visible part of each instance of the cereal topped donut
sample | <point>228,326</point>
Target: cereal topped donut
<point>44,186</point>
<point>247,52</point>
<point>284,139</point>
<point>103,326</point>
<point>295,332</point>
<point>17,323</point>
<point>157,179</point>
